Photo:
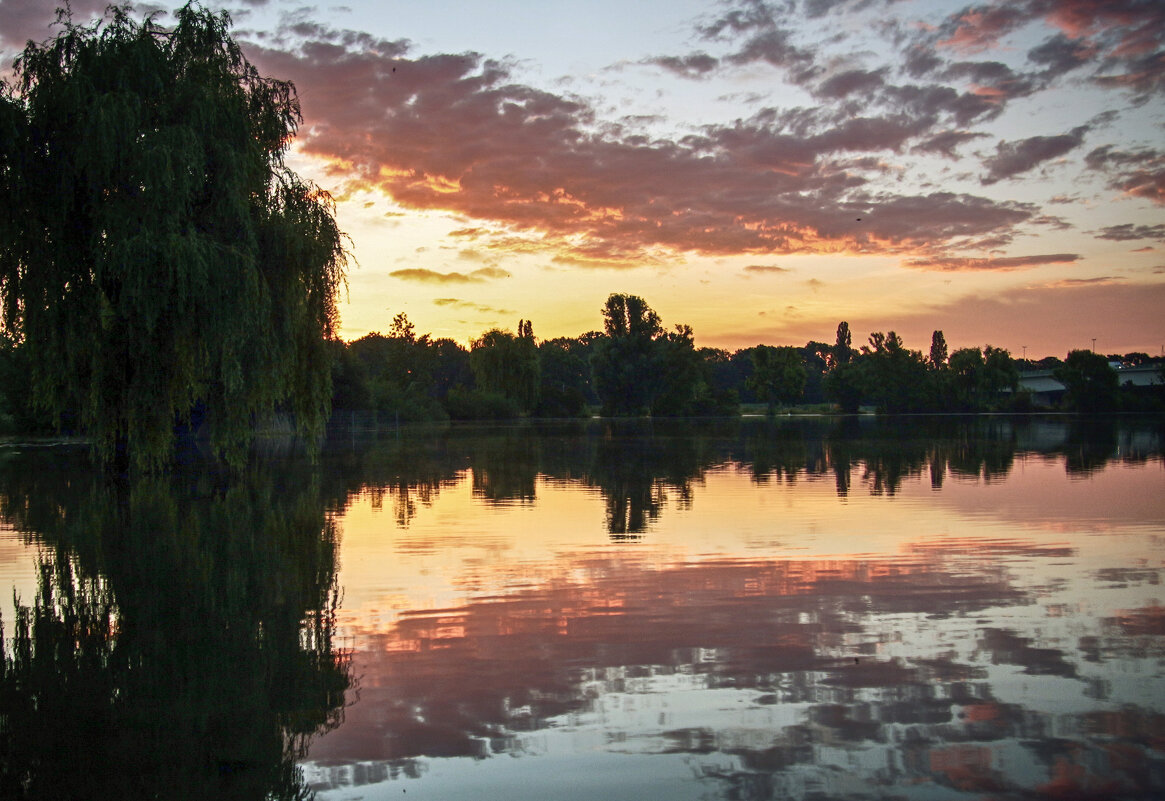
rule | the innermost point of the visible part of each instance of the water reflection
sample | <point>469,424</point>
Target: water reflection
<point>180,642</point>
<point>811,608</point>
<point>966,656</point>
<point>638,465</point>
<point>802,681</point>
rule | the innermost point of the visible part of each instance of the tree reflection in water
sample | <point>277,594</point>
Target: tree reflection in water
<point>851,676</point>
<point>180,644</point>
<point>638,464</point>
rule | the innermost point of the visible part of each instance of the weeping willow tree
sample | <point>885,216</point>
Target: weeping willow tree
<point>158,259</point>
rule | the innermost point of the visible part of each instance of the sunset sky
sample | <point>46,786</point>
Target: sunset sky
<point>758,171</point>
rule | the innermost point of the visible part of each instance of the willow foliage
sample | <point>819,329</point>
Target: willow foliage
<point>157,256</point>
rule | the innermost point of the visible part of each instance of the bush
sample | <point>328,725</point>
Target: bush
<point>558,402</point>
<point>477,404</point>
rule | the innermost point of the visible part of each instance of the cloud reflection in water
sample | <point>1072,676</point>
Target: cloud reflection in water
<point>969,653</point>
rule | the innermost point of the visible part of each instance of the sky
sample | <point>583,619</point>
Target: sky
<point>759,171</point>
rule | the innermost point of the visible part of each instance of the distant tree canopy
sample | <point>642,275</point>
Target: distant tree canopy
<point>1090,383</point>
<point>508,365</point>
<point>778,375</point>
<point>158,260</point>
<point>627,354</point>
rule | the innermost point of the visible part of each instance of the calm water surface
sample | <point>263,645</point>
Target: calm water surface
<point>814,608</point>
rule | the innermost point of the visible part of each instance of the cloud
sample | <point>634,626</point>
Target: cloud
<point>766,268</point>
<point>455,132</point>
<point>1015,158</point>
<point>540,169</point>
<point>1129,34</point>
<point>946,142</point>
<point>1074,282</point>
<point>1035,316</point>
<point>490,272</point>
<point>457,303</point>
<point>425,276</point>
<point>977,29</point>
<point>1059,54</point>
<point>1127,231</point>
<point>695,65</point>
<point>35,20</point>
<point>1140,173</point>
<point>997,264</point>
<point>850,81</point>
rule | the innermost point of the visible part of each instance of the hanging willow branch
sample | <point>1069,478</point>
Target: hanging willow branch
<point>158,259</point>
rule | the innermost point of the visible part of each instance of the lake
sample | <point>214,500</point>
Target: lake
<point>807,608</point>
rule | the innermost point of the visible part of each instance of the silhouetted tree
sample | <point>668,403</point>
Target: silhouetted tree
<point>156,254</point>
<point>680,376</point>
<point>842,350</point>
<point>844,385</point>
<point>778,375</point>
<point>627,360</point>
<point>1090,382</point>
<point>978,378</point>
<point>938,350</point>
<point>566,375</point>
<point>895,379</point>
<point>999,374</point>
<point>816,359</point>
<point>966,368</point>
<point>716,394</point>
<point>399,372</point>
<point>508,365</point>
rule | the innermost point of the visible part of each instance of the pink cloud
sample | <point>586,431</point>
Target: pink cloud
<point>454,132</point>
<point>1140,173</point>
<point>35,20</point>
<point>978,29</point>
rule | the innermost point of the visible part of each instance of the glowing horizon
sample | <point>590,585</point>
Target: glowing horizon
<point>758,173</point>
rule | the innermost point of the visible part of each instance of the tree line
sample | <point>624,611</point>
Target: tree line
<point>161,269</point>
<point>635,366</point>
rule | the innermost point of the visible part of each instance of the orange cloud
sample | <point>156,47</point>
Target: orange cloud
<point>425,276</point>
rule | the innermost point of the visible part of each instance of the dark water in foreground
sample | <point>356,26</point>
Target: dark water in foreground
<point>813,608</point>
